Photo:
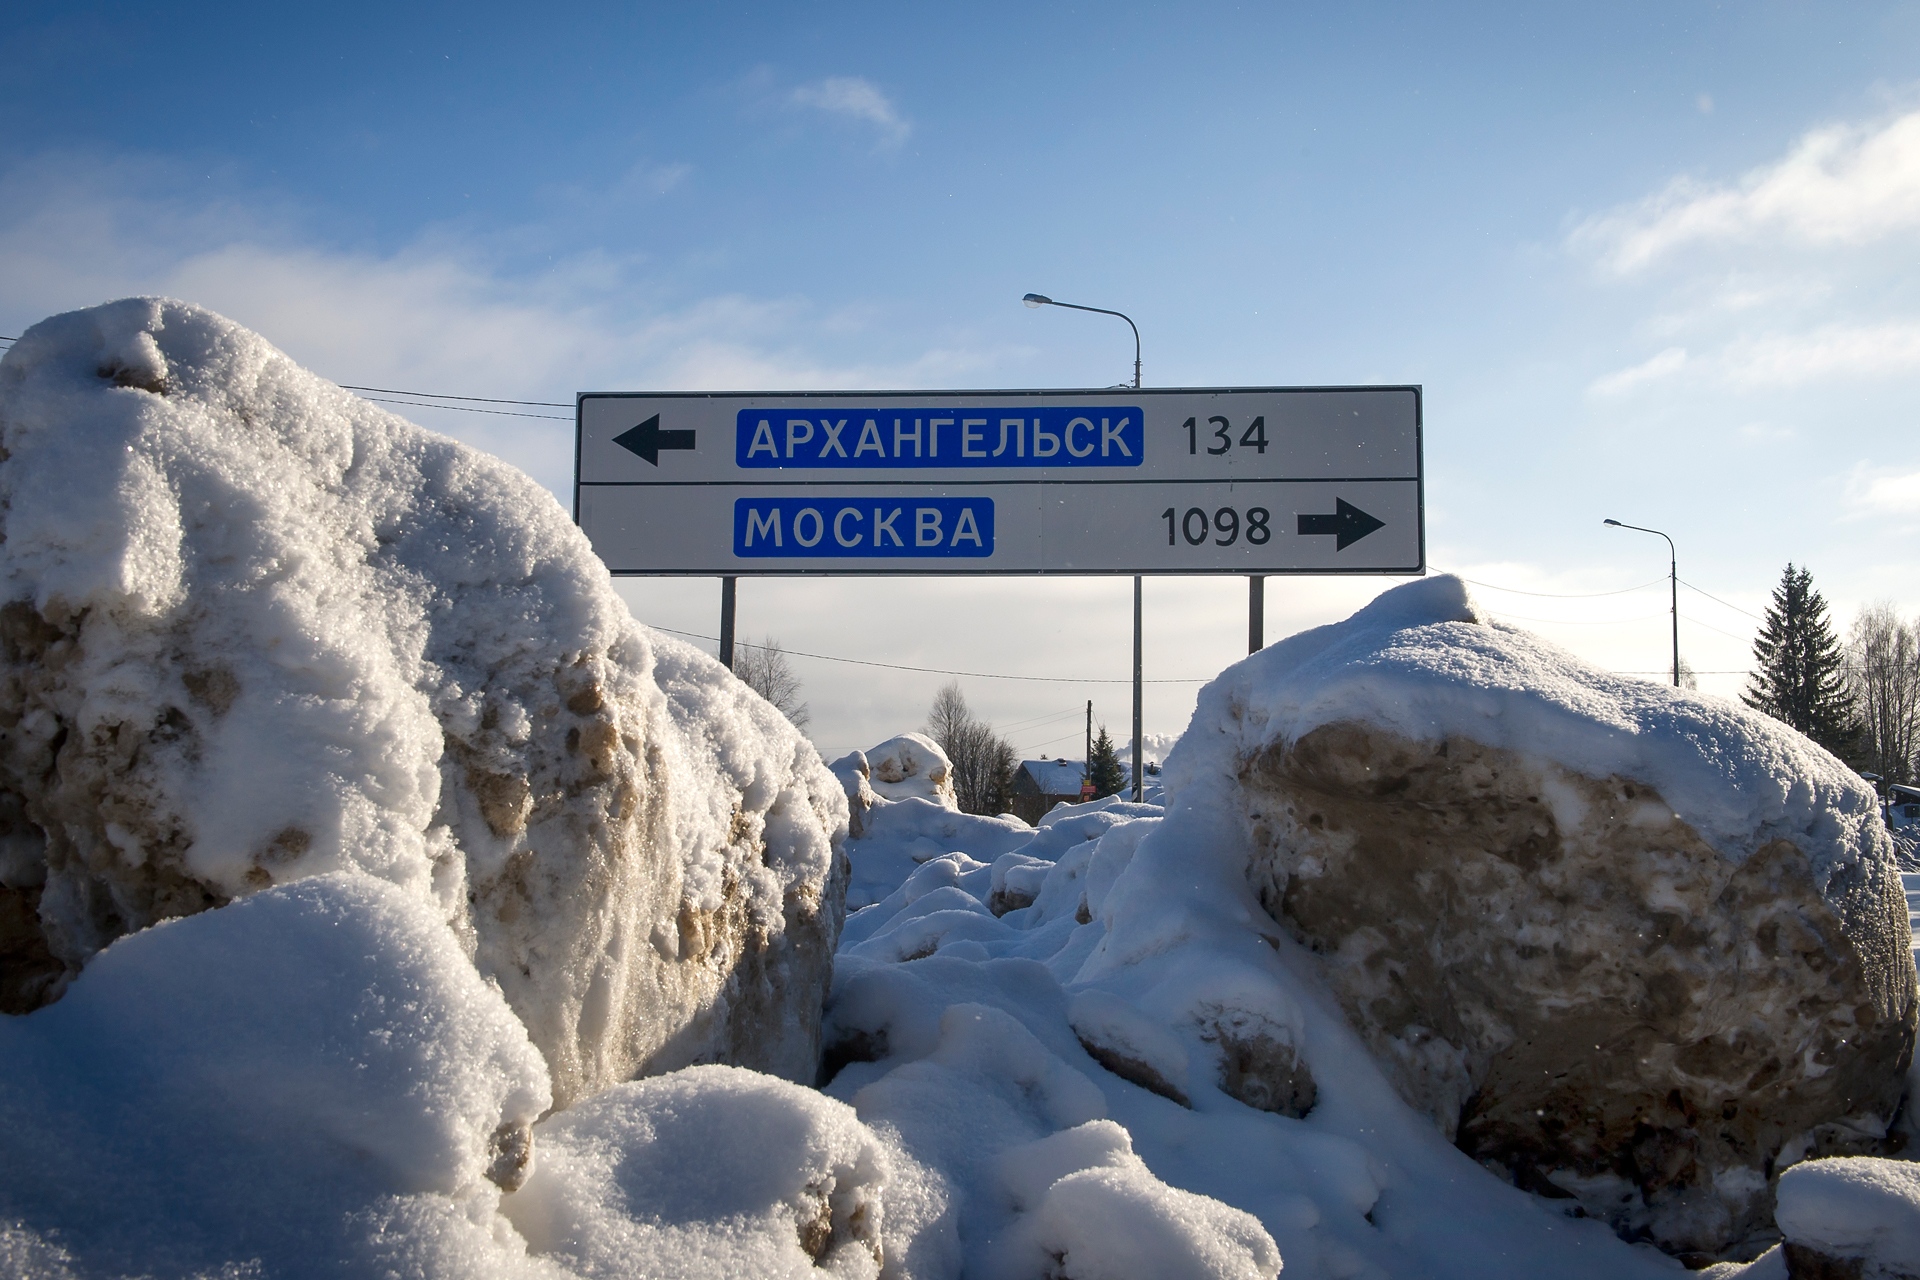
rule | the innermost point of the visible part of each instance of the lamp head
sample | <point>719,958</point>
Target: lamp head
<point>1615,523</point>
<point>1036,299</point>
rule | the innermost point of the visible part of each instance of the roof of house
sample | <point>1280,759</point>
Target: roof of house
<point>1055,777</point>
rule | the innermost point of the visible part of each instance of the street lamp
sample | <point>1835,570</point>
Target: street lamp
<point>1673,578</point>
<point>1042,300</point>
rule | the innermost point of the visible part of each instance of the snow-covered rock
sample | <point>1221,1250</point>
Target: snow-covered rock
<point>255,630</point>
<point>1852,1216</point>
<point>1626,944</point>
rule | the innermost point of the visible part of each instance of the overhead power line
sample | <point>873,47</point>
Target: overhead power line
<point>1557,595</point>
<point>1568,622</point>
<point>932,671</point>
<point>467,408</point>
<point>436,395</point>
<point>1717,600</point>
<point>1709,626</point>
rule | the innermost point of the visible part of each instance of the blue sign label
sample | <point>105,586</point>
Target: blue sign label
<point>1020,436</point>
<point>855,528</point>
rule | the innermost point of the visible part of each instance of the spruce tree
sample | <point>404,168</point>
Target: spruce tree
<point>1801,669</point>
<point>1103,767</point>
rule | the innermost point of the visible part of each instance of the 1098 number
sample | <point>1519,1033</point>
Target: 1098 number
<point>1225,524</point>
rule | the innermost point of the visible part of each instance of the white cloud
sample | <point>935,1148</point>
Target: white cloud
<point>1839,185</point>
<point>860,99</point>
<point>437,315</point>
<point>1832,351</point>
<point>1623,381</point>
<point>1872,492</point>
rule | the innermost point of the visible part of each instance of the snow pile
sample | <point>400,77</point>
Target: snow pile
<point>1132,950</point>
<point>970,1041</point>
<point>1476,830</point>
<point>648,1178</point>
<point>315,1070</point>
<point>255,630</point>
<point>1854,1209</point>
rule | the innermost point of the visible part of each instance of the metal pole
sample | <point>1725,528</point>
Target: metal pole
<point>1041,300</point>
<point>1674,578</point>
<point>1138,789</point>
<point>1256,613</point>
<point>726,622</point>
<point>1086,766</point>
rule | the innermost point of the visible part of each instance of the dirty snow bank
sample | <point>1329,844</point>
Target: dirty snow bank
<point>347,823</point>
<point>254,629</point>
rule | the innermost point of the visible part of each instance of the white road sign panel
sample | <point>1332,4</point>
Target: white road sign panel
<point>1237,480</point>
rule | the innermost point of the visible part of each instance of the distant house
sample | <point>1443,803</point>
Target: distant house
<point>1903,808</point>
<point>1039,785</point>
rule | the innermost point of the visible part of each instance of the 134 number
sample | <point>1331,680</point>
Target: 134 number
<point>1194,526</point>
<point>1254,437</point>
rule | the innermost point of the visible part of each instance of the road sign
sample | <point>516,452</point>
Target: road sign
<point>1255,480</point>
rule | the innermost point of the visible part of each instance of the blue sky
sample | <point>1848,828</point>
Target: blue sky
<point>1652,262</point>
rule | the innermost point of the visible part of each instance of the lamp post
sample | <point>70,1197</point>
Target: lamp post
<point>1673,579</point>
<point>1042,300</point>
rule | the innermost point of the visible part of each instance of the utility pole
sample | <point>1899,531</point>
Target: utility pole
<point>1086,763</point>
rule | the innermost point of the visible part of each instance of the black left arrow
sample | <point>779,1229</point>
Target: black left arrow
<point>1348,523</point>
<point>648,440</point>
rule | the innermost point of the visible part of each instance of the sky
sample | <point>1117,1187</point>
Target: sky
<point>1649,262</point>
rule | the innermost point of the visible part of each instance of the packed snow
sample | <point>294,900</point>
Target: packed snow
<point>1077,1050</point>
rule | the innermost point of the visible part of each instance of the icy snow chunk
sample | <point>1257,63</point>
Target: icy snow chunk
<point>242,1083</point>
<point>272,631</point>
<point>709,1171</point>
<point>911,765</point>
<point>1093,1211</point>
<point>1853,1209</point>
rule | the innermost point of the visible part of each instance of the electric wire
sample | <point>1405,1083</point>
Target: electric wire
<point>1717,600</point>
<point>1709,626</point>
<point>1556,595</point>
<point>438,395</point>
<point>1568,622</point>
<point>467,408</point>
<point>932,671</point>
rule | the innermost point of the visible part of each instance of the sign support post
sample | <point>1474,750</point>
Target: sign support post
<point>1256,613</point>
<point>1138,789</point>
<point>727,589</point>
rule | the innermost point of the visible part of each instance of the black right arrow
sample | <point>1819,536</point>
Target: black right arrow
<point>648,440</point>
<point>1348,523</point>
